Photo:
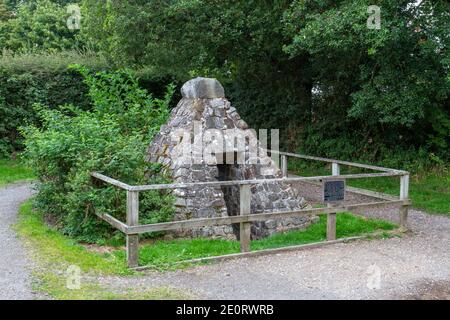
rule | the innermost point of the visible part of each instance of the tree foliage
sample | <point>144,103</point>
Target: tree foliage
<point>5,13</point>
<point>37,26</point>
<point>391,78</point>
<point>311,68</point>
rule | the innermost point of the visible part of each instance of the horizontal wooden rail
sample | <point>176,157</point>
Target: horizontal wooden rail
<point>346,163</point>
<point>113,222</point>
<point>237,182</point>
<point>370,193</point>
<point>111,181</point>
<point>364,192</point>
<point>251,182</point>
<point>193,223</point>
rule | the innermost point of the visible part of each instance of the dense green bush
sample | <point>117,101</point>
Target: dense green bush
<point>37,26</point>
<point>310,68</point>
<point>26,79</point>
<point>384,93</point>
<point>111,138</point>
<point>30,78</point>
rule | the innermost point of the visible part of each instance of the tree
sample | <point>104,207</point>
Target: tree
<point>311,68</point>
<point>239,42</point>
<point>391,81</point>
<point>39,25</point>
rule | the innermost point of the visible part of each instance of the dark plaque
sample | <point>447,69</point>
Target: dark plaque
<point>333,190</point>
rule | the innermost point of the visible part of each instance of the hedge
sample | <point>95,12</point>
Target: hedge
<point>45,79</point>
<point>28,79</point>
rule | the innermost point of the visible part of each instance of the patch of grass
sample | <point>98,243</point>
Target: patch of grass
<point>347,225</point>
<point>55,286</point>
<point>13,171</point>
<point>53,247</point>
<point>429,191</point>
<point>164,254</point>
<point>54,253</point>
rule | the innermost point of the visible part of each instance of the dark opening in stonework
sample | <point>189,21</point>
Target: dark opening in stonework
<point>231,172</point>
<point>224,172</point>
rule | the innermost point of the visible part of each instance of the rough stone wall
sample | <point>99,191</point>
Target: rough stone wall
<point>204,104</point>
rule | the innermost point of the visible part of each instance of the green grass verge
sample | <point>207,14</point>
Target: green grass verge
<point>165,254</point>
<point>429,191</point>
<point>13,171</point>
<point>56,249</point>
<point>347,225</point>
<point>53,247</point>
<point>54,253</point>
<point>54,285</point>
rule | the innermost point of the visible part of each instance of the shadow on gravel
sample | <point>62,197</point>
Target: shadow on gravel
<point>430,290</point>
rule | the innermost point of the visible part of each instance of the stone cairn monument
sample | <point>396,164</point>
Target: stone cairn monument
<point>204,120</point>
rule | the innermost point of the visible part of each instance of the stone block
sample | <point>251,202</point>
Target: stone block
<point>202,88</point>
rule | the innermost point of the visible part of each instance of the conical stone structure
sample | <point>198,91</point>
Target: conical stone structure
<point>205,120</point>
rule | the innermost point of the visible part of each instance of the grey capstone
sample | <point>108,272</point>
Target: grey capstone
<point>202,88</point>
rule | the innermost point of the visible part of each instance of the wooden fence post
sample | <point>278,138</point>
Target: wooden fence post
<point>336,169</point>
<point>331,226</point>
<point>404,195</point>
<point>284,165</point>
<point>132,220</point>
<point>245,227</point>
<point>331,217</point>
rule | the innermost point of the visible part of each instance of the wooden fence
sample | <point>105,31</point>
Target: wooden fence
<point>132,228</point>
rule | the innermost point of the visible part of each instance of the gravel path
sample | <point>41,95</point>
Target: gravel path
<point>415,266</point>
<point>15,280</point>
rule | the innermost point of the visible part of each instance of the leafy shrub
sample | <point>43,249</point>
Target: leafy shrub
<point>38,26</point>
<point>310,68</point>
<point>342,141</point>
<point>111,138</point>
<point>28,79</point>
